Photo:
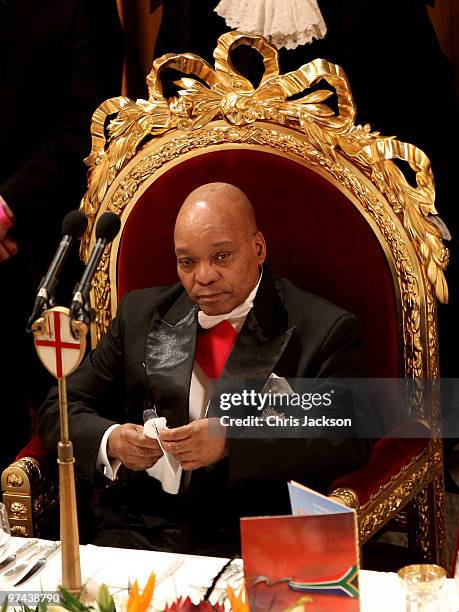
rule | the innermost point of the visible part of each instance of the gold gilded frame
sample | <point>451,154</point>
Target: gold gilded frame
<point>22,496</point>
<point>135,142</point>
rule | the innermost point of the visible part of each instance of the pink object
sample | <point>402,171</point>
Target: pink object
<point>5,219</point>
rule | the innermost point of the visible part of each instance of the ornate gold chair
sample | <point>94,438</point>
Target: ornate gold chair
<point>340,217</point>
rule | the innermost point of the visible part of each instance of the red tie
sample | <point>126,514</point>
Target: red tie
<point>213,347</point>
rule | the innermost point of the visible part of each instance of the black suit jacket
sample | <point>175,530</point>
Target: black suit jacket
<point>148,353</point>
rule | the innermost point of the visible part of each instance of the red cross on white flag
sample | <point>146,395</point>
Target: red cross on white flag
<point>57,349</point>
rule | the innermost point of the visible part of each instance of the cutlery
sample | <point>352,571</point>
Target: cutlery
<point>170,571</point>
<point>161,578</point>
<point>18,568</point>
<point>41,562</point>
<point>17,554</point>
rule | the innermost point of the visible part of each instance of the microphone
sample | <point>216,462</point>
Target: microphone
<point>106,229</point>
<point>73,227</point>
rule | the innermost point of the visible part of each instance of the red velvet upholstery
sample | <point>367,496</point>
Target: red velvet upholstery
<point>455,555</point>
<point>33,449</point>
<point>387,458</point>
<point>315,237</point>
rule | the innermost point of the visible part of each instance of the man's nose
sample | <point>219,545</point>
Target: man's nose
<point>206,273</point>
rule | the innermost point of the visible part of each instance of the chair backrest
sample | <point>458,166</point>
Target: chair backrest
<point>340,218</point>
<point>302,216</point>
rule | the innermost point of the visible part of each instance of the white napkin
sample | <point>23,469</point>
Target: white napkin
<point>167,469</point>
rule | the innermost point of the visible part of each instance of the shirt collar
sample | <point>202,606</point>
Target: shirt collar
<point>236,317</point>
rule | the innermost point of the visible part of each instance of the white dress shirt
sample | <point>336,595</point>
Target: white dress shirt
<point>198,400</point>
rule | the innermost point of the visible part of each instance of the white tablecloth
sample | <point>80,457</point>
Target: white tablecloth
<point>380,592</point>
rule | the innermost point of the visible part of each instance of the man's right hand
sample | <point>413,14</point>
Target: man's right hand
<point>135,451</point>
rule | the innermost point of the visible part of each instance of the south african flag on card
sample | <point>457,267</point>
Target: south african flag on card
<point>309,557</point>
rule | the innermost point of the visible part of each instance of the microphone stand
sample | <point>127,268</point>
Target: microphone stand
<point>42,328</point>
<point>70,540</point>
<point>65,329</point>
<point>82,314</point>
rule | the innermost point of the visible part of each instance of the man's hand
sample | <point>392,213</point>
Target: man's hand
<point>128,444</point>
<point>193,446</point>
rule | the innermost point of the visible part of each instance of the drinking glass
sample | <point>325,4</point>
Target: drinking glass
<point>423,587</point>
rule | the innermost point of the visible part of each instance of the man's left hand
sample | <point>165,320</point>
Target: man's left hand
<point>193,446</point>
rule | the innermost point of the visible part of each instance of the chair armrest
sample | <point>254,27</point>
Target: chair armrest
<point>21,486</point>
<point>389,460</point>
<point>30,490</point>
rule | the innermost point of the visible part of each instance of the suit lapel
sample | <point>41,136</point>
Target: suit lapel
<point>255,355</point>
<point>169,356</point>
<point>262,342</point>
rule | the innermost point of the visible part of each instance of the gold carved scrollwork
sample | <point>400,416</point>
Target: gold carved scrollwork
<point>38,505</point>
<point>17,510</point>
<point>19,531</point>
<point>439,509</point>
<point>14,480</point>
<point>422,507</point>
<point>348,497</point>
<point>433,342</point>
<point>31,468</point>
<point>412,204</point>
<point>412,479</point>
<point>121,127</point>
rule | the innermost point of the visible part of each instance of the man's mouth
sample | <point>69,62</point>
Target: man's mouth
<point>209,297</point>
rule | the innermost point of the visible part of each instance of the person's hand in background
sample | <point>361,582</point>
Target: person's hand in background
<point>8,246</point>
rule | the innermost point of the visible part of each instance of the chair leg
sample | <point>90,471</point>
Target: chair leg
<point>429,514</point>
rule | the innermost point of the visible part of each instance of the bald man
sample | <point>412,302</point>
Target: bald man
<point>229,317</point>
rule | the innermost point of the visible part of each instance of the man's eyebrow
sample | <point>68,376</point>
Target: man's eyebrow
<point>214,245</point>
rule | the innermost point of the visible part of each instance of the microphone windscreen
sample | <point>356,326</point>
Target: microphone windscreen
<point>108,226</point>
<point>74,224</point>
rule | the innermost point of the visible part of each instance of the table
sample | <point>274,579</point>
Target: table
<point>380,591</point>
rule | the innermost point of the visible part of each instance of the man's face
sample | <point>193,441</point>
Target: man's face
<point>218,263</point>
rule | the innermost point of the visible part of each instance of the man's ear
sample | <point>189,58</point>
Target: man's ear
<point>261,247</point>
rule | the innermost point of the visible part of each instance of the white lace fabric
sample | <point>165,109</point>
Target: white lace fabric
<point>285,23</point>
